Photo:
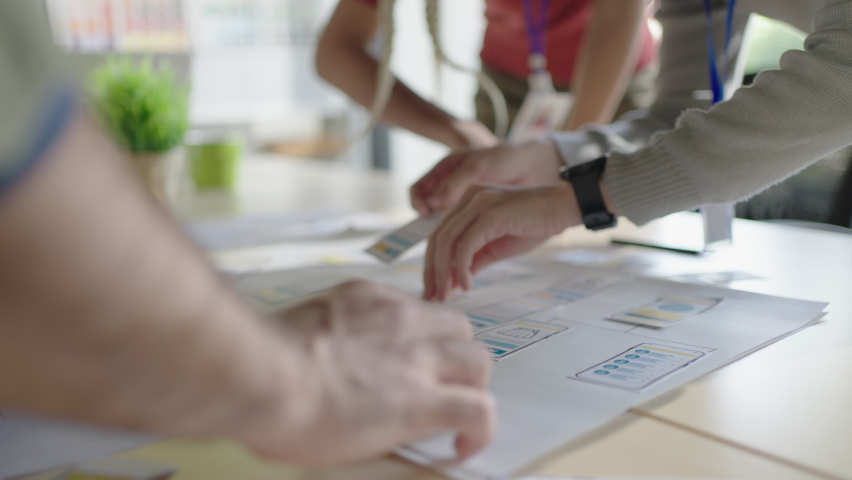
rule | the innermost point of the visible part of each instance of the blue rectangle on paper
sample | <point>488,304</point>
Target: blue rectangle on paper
<point>497,344</point>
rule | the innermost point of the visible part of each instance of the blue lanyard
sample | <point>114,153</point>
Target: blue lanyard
<point>536,27</point>
<point>716,82</point>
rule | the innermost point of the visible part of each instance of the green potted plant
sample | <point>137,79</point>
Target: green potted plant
<point>147,113</point>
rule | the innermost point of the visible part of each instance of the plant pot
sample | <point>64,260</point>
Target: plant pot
<point>158,171</point>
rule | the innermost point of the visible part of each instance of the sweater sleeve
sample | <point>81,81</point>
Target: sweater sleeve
<point>682,79</point>
<point>789,118</point>
<point>35,98</point>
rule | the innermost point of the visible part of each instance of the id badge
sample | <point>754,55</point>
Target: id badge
<point>544,110</point>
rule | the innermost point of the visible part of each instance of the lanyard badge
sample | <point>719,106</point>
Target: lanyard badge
<point>544,109</point>
<point>718,219</point>
<point>716,83</point>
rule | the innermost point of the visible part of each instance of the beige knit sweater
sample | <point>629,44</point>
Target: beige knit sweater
<point>787,120</point>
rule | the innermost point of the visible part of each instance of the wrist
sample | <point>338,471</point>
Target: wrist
<point>469,134</point>
<point>564,199</point>
<point>443,128</point>
<point>547,160</point>
<point>283,405</point>
<point>455,134</point>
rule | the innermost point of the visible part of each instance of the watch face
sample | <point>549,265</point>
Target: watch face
<point>599,220</point>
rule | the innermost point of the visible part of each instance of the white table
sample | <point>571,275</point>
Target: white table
<point>783,412</point>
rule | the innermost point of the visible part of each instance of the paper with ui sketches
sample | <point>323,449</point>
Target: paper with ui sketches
<point>641,365</point>
<point>716,279</point>
<point>667,311</point>
<point>586,477</point>
<point>577,288</point>
<point>30,444</point>
<point>114,468</point>
<point>394,244</point>
<point>513,336</point>
<point>548,326</point>
<point>282,293</point>
<point>243,232</point>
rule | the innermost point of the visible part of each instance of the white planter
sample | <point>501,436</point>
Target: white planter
<point>160,172</point>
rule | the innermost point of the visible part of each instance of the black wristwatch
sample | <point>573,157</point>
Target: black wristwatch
<point>586,181</point>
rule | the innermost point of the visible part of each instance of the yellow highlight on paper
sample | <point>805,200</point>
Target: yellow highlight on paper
<point>647,312</point>
<point>667,351</point>
<point>90,476</point>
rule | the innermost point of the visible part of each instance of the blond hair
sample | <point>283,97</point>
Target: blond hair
<point>385,79</point>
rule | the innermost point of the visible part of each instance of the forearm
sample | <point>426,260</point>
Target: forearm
<point>607,62</point>
<point>351,69</point>
<point>108,315</point>
<point>788,119</point>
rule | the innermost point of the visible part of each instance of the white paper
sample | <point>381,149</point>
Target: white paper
<point>30,444</point>
<point>249,231</point>
<point>543,398</point>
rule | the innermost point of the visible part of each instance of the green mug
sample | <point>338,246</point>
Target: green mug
<point>215,164</point>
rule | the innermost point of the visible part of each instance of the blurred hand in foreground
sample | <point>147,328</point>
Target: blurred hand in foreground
<point>377,370</point>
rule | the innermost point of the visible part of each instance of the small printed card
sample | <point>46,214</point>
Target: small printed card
<point>641,365</point>
<point>394,244</point>
<point>667,311</point>
<point>516,335</point>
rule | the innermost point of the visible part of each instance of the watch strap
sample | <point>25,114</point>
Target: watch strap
<point>585,179</point>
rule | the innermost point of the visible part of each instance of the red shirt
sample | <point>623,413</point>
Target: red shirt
<point>506,46</point>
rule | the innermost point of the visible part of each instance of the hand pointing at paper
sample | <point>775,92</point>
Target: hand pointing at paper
<point>534,163</point>
<point>375,369</point>
<point>490,224</point>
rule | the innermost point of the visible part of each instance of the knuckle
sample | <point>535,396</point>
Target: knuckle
<point>473,164</point>
<point>479,195</point>
<point>357,288</point>
<point>462,324</point>
<point>396,310</point>
<point>492,216</point>
<point>423,357</point>
<point>482,408</point>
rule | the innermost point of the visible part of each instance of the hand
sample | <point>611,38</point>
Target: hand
<point>491,224</point>
<point>533,163</point>
<point>379,369</point>
<point>472,135</point>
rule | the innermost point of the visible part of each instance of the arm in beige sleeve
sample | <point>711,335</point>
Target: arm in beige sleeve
<point>607,60</point>
<point>342,59</point>
<point>108,315</point>
<point>787,120</point>
<point>683,73</point>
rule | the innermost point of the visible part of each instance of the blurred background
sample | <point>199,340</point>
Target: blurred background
<point>250,68</point>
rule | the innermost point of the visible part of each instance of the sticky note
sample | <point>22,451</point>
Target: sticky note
<point>394,244</point>
<point>667,311</point>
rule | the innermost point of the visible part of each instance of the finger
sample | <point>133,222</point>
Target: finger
<point>463,362</point>
<point>490,225</point>
<point>501,249</point>
<point>444,324</point>
<point>428,268</point>
<point>454,185</point>
<point>424,187</point>
<point>452,228</point>
<point>430,290</point>
<point>470,412</point>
